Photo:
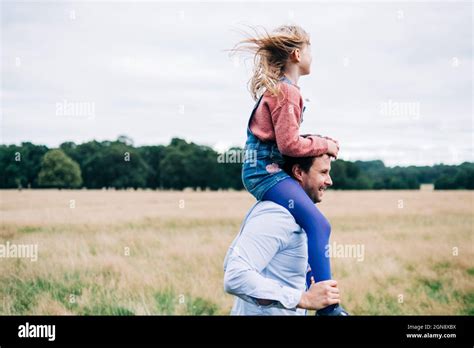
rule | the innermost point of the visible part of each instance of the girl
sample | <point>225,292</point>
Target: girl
<point>281,57</point>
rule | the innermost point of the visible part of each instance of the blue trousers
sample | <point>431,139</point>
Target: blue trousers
<point>289,194</point>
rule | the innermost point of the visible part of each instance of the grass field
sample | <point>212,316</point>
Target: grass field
<point>151,252</point>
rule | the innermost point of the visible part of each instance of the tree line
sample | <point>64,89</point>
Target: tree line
<point>181,164</point>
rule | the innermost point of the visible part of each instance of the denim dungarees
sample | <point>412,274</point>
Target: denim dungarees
<point>263,162</point>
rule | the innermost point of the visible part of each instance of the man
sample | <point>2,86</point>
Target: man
<point>266,264</point>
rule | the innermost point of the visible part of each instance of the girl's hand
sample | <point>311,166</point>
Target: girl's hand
<point>331,144</point>
<point>333,148</point>
<point>337,143</point>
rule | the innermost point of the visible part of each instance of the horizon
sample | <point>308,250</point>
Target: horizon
<point>135,145</point>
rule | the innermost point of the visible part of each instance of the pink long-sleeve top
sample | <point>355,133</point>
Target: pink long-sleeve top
<point>278,119</point>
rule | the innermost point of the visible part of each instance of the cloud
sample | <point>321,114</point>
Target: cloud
<point>157,70</point>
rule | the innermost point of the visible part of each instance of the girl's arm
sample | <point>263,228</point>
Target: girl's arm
<point>286,122</point>
<point>333,144</point>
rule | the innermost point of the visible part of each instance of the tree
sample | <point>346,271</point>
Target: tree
<point>183,164</point>
<point>31,161</point>
<point>172,169</point>
<point>12,175</point>
<point>153,155</point>
<point>117,165</point>
<point>229,173</point>
<point>462,178</point>
<point>59,170</point>
<point>110,163</point>
<point>20,164</point>
<point>83,154</point>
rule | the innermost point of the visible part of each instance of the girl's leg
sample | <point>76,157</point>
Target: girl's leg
<point>289,194</point>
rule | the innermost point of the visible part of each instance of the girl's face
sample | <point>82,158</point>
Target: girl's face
<point>305,59</point>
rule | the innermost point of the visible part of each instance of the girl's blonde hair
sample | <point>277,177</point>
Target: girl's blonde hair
<point>271,53</point>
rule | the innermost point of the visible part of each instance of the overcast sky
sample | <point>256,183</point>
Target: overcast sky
<point>390,81</point>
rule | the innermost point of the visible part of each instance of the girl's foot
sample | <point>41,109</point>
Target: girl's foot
<point>332,311</point>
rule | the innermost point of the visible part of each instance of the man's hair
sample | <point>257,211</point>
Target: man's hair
<point>305,164</point>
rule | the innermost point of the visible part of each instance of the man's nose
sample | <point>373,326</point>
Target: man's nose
<point>328,181</point>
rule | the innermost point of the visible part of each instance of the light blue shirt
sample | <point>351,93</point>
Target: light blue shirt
<point>267,260</point>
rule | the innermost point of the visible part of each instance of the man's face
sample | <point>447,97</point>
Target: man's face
<point>317,179</point>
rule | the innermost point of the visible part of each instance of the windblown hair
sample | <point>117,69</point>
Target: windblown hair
<point>271,53</point>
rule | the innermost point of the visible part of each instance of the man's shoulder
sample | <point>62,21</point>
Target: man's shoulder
<point>270,207</point>
<point>273,213</point>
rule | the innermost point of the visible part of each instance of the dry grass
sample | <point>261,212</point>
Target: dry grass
<point>176,251</point>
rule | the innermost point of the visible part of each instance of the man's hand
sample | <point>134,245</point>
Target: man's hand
<point>320,295</point>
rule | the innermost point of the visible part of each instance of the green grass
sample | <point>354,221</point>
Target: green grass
<point>467,299</point>
<point>200,306</point>
<point>167,303</point>
<point>68,290</point>
<point>106,309</point>
<point>379,303</point>
<point>434,289</point>
<point>30,229</point>
<point>26,293</point>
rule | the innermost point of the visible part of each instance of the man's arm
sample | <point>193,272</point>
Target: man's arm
<point>265,234</point>
<point>319,295</point>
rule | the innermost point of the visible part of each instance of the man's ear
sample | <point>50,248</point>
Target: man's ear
<point>297,173</point>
